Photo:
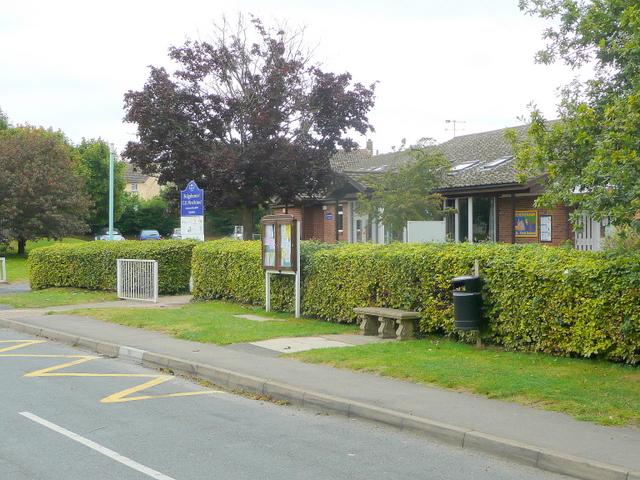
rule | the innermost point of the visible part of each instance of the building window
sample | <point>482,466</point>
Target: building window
<point>474,220</point>
<point>340,218</point>
<point>134,187</point>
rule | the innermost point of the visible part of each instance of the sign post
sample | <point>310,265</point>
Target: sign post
<point>281,253</point>
<point>192,212</point>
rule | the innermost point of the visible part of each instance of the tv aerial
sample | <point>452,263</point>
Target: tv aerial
<point>455,122</point>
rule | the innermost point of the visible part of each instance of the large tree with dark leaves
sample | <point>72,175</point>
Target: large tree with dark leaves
<point>247,116</point>
<point>41,196</point>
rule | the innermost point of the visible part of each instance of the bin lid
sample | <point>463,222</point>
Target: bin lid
<point>466,278</point>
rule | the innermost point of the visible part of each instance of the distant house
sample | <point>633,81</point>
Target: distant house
<point>483,187</point>
<point>144,186</point>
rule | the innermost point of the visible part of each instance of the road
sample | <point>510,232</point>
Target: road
<point>69,415</point>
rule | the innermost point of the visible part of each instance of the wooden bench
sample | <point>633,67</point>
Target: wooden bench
<point>382,321</point>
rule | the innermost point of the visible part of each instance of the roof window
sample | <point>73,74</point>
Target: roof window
<point>498,161</point>
<point>462,166</point>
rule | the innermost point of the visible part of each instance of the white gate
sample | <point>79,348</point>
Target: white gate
<point>3,270</point>
<point>138,280</point>
<point>590,236</point>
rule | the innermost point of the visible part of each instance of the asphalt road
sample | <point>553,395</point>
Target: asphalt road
<point>68,415</point>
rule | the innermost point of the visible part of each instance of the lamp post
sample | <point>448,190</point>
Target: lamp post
<point>111,188</point>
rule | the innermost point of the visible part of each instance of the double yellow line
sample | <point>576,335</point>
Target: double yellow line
<point>122,396</point>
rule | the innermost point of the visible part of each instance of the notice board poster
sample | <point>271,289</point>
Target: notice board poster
<point>279,242</point>
<point>526,223</point>
<point>545,228</point>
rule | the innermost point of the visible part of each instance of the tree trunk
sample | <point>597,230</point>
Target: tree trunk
<point>247,223</point>
<point>22,244</point>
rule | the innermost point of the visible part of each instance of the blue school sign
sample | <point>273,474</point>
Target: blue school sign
<point>192,201</point>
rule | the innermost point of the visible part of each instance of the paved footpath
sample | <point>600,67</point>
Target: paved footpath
<point>546,440</point>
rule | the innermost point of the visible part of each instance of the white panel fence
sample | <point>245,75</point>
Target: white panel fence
<point>3,270</point>
<point>138,280</point>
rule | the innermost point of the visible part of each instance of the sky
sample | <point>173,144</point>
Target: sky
<point>67,64</point>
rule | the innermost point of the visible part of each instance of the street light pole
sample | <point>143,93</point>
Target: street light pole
<point>111,188</point>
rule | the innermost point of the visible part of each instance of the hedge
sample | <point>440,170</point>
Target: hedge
<point>93,265</point>
<point>538,299</point>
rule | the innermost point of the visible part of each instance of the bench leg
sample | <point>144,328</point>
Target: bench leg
<point>387,328</point>
<point>369,324</point>
<point>405,329</point>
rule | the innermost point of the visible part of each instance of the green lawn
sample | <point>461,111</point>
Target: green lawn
<point>595,391</point>
<point>56,296</point>
<point>214,322</point>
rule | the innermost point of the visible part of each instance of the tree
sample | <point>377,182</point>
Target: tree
<point>139,214</point>
<point>591,154</point>
<point>93,166</point>
<point>247,117</point>
<point>406,192</point>
<point>40,193</point>
<point>4,120</point>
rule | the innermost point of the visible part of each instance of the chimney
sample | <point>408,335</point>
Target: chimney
<point>370,146</point>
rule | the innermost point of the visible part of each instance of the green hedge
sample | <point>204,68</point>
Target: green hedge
<point>540,299</point>
<point>232,269</point>
<point>93,265</point>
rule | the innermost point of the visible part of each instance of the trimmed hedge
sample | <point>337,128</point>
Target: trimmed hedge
<point>539,299</point>
<point>232,269</point>
<point>536,298</point>
<point>93,265</point>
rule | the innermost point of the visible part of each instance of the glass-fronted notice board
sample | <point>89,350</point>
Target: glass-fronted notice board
<point>279,234</point>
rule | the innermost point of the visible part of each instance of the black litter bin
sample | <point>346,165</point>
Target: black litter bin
<point>467,302</point>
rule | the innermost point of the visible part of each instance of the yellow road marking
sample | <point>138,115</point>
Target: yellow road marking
<point>20,344</point>
<point>122,396</point>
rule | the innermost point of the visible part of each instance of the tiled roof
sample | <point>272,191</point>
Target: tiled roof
<point>481,159</point>
<point>345,160</point>
<point>476,160</point>
<point>133,175</point>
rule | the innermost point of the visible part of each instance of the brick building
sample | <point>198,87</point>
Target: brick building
<point>482,186</point>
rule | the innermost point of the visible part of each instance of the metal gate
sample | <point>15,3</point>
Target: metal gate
<point>138,280</point>
<point>3,270</point>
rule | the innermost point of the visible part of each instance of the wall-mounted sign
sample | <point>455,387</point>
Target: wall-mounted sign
<point>545,228</point>
<point>526,223</point>
<point>279,243</point>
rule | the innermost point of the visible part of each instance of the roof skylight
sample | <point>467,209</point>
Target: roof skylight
<point>498,161</point>
<point>462,166</point>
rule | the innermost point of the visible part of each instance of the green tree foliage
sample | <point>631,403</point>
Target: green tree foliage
<point>591,154</point>
<point>4,120</point>
<point>41,196</point>
<point>93,166</point>
<point>139,214</point>
<point>406,192</point>
<point>246,116</point>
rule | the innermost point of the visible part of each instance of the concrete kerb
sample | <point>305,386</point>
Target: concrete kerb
<point>513,451</point>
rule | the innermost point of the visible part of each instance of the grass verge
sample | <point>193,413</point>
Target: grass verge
<point>52,297</point>
<point>594,391</point>
<point>214,322</point>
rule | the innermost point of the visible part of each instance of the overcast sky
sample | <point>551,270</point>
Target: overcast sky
<point>66,64</point>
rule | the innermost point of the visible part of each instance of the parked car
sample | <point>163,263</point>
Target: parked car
<point>149,235</point>
<point>104,235</point>
<point>176,235</point>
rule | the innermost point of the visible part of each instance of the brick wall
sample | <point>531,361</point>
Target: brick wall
<point>329,225</point>
<point>561,228</point>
